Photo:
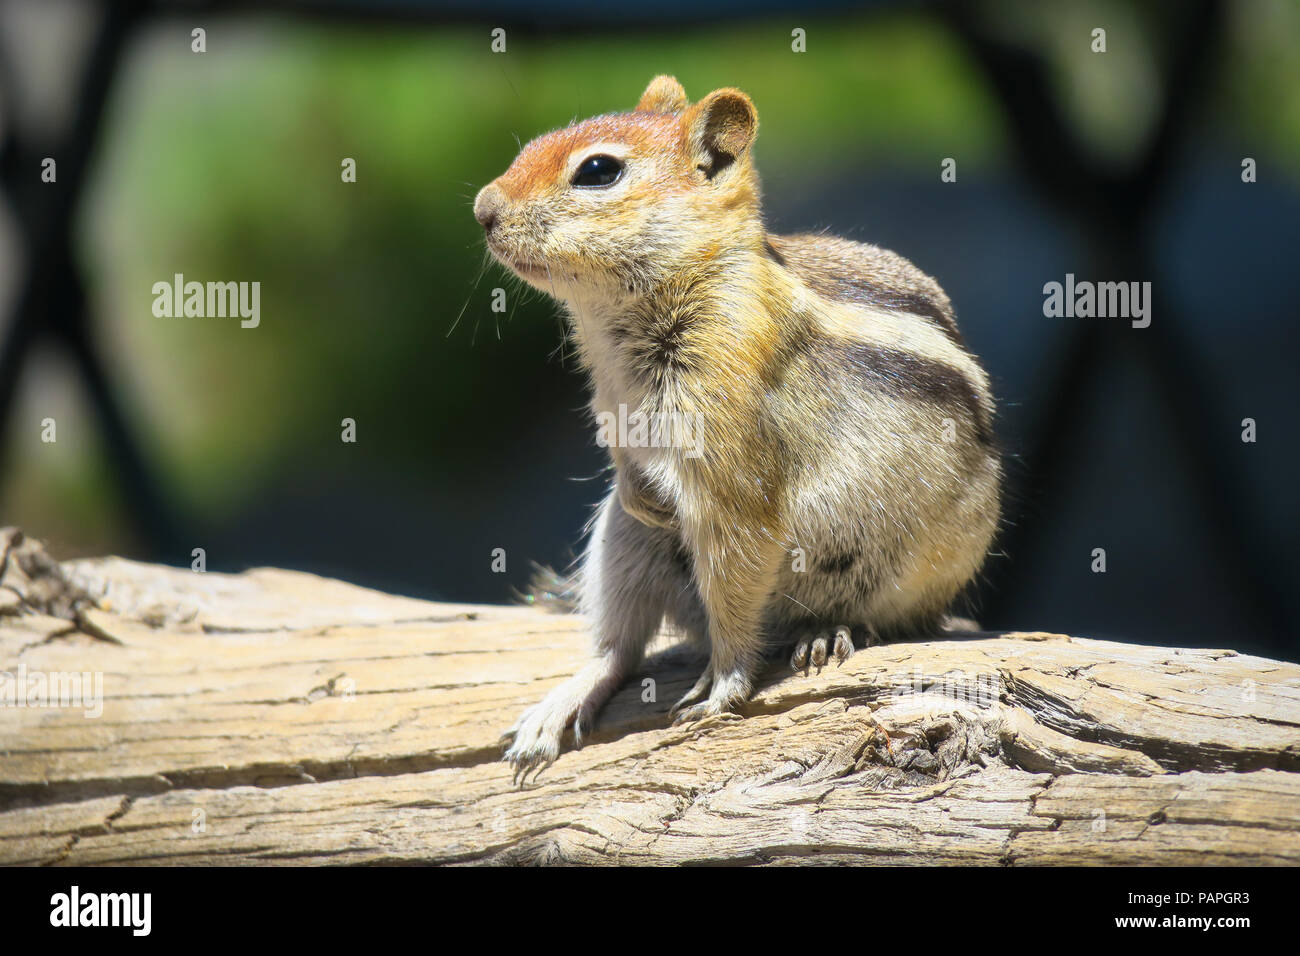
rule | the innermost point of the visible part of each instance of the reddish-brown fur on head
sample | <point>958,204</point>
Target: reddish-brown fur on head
<point>543,165</point>
<point>687,192</point>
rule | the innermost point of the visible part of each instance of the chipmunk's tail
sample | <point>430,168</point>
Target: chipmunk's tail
<point>550,590</point>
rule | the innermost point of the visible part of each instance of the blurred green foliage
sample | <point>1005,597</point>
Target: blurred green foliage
<point>226,166</point>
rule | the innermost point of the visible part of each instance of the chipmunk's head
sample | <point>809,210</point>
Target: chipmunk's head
<point>615,204</point>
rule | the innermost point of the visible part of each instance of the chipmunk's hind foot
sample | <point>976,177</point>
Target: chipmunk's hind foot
<point>817,648</point>
<point>534,742</point>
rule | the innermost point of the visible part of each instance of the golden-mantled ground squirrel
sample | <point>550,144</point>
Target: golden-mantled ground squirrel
<point>841,481</point>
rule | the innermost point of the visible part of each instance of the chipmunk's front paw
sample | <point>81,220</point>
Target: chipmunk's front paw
<point>707,708</point>
<point>724,697</point>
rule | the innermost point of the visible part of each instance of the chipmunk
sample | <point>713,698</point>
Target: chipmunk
<point>841,418</point>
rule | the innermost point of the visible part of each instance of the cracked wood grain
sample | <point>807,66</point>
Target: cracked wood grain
<point>279,718</point>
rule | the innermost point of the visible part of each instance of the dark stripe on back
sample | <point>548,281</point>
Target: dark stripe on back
<point>904,375</point>
<point>825,277</point>
<point>837,563</point>
<point>861,292</point>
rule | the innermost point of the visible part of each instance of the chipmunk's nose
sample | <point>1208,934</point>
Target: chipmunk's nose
<point>487,205</point>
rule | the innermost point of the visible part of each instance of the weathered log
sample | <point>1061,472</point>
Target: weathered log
<point>278,717</point>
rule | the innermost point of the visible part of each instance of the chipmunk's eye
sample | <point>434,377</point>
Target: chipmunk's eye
<point>598,171</point>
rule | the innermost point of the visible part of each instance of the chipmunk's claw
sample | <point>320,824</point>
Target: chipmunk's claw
<point>799,659</point>
<point>535,765</point>
<point>706,708</point>
<point>691,714</point>
<point>584,724</point>
<point>817,655</point>
<point>843,647</point>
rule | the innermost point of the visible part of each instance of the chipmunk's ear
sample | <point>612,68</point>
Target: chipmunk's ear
<point>663,95</point>
<point>720,128</point>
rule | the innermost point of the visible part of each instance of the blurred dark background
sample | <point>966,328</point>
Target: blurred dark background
<point>375,301</point>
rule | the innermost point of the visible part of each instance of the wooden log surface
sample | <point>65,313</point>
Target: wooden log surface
<point>275,717</point>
